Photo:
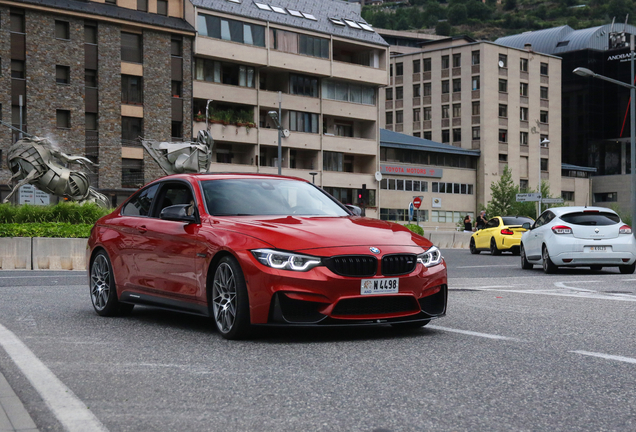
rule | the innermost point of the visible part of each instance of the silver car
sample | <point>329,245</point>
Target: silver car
<point>592,237</point>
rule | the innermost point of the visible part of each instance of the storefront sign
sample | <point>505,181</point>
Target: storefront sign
<point>411,171</point>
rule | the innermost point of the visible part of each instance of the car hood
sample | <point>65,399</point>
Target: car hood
<point>302,233</point>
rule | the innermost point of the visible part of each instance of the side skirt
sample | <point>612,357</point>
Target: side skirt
<point>164,303</point>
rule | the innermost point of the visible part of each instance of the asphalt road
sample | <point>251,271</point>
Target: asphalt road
<point>518,351</point>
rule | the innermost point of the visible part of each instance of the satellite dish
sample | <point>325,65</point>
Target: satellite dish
<point>286,133</point>
<point>501,63</point>
<point>378,176</point>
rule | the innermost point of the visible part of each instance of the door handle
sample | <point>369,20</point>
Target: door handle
<point>142,229</point>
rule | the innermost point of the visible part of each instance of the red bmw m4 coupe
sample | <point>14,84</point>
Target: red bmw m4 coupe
<point>250,250</point>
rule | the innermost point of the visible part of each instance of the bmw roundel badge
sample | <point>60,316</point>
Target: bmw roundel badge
<point>374,250</point>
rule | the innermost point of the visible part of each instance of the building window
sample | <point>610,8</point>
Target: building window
<point>503,60</point>
<point>132,173</point>
<point>252,34</point>
<point>347,92</point>
<point>63,119</point>
<point>426,89</point>
<point>475,57</point>
<point>132,90</point>
<point>567,195</point>
<point>457,135</point>
<point>457,110</point>
<point>523,89</point>
<point>606,197</point>
<point>445,62</point>
<point>131,129</point>
<point>503,135</point>
<point>457,85</point>
<point>399,69</point>
<point>544,68</point>
<point>427,135</point>
<point>389,117</point>
<point>427,113</point>
<point>416,90</point>
<point>476,133</point>
<point>177,89</point>
<point>389,93</point>
<point>445,87</point>
<point>390,70</point>
<point>543,138</point>
<point>303,122</point>
<point>303,85</point>
<point>503,110</point>
<point>475,83</point>
<point>399,117</point>
<point>90,120</point>
<point>544,92</point>
<point>90,34</point>
<point>417,134</point>
<point>523,185</point>
<point>416,66</point>
<point>503,86</point>
<point>17,69</point>
<point>399,93</point>
<point>114,2</point>
<point>162,7</point>
<point>17,22</point>
<point>457,60</point>
<point>445,112</point>
<point>334,161</point>
<point>543,116</point>
<point>62,30</point>
<point>62,74</point>
<point>476,108</point>
<point>523,138</point>
<point>131,48</point>
<point>177,131</point>
<point>416,114</point>
<point>176,47</point>
<point>426,65</point>
<point>142,5</point>
<point>445,136</point>
<point>90,78</point>
<point>544,164</point>
<point>523,65</point>
<point>225,73</point>
<point>503,157</point>
<point>523,114</point>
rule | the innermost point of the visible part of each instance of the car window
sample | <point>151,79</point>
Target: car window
<point>493,223</point>
<point>542,220</point>
<point>173,194</point>
<point>516,220</point>
<point>141,203</point>
<point>254,197</point>
<point>591,218</point>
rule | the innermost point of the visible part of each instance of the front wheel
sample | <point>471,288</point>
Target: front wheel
<point>627,269</point>
<point>525,264</point>
<point>548,265</point>
<point>103,289</point>
<point>493,247</point>
<point>230,304</point>
<point>473,248</point>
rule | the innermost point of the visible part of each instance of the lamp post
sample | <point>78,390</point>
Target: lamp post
<point>277,118</point>
<point>632,111</point>
<point>313,176</point>
<point>543,143</point>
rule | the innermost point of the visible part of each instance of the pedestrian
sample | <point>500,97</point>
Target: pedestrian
<point>481,220</point>
<point>468,224</point>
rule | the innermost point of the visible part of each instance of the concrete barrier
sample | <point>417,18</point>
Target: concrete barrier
<point>59,253</point>
<point>15,253</point>
<point>442,239</point>
<point>462,240</point>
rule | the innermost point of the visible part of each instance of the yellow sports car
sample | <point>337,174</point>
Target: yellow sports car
<point>501,233</point>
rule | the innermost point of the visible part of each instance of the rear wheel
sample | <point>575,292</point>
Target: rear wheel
<point>627,269</point>
<point>230,304</point>
<point>410,325</point>
<point>525,264</point>
<point>473,248</point>
<point>493,247</point>
<point>103,289</point>
<point>548,265</point>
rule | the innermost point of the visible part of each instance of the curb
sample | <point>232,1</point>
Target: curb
<point>13,416</point>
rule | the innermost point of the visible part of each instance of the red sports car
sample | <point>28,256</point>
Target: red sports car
<point>249,249</point>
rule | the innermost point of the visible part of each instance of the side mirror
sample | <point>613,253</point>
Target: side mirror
<point>180,213</point>
<point>526,226</point>
<point>354,209</point>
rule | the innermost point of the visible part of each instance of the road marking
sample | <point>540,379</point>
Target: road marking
<point>489,266</point>
<point>33,277</point>
<point>606,356</point>
<point>71,412</point>
<point>472,333</point>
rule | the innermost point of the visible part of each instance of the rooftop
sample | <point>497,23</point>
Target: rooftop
<point>399,140</point>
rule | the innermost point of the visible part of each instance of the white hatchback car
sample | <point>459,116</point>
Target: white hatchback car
<point>594,237</point>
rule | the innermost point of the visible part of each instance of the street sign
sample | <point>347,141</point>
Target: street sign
<point>524,197</point>
<point>552,200</point>
<point>410,211</point>
<point>417,202</point>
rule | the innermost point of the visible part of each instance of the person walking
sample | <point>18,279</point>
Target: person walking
<point>468,224</point>
<point>481,220</point>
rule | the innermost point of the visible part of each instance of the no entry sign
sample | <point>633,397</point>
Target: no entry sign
<point>417,202</point>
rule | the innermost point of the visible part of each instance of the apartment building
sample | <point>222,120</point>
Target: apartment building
<point>324,65</point>
<point>94,76</point>
<point>503,101</point>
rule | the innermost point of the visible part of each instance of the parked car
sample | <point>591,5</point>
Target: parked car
<point>592,237</point>
<point>501,233</point>
<point>248,249</point>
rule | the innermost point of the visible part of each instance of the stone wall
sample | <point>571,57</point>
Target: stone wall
<point>187,88</point>
<point>5,92</point>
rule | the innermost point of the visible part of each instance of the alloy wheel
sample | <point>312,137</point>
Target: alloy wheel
<point>224,298</point>
<point>100,282</point>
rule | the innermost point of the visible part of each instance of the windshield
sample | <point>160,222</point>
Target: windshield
<point>260,197</point>
<point>591,218</point>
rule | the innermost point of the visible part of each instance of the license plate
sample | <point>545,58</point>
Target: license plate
<point>598,249</point>
<point>379,286</point>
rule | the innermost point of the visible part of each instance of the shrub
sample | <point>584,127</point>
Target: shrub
<point>68,212</point>
<point>46,229</point>
<point>415,228</point>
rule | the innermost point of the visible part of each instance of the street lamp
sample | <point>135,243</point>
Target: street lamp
<point>543,143</point>
<point>313,176</point>
<point>632,111</point>
<point>276,118</point>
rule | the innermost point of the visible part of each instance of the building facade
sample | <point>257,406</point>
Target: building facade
<point>481,96</point>
<point>95,76</point>
<point>320,61</point>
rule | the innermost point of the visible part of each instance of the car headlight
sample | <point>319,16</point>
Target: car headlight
<point>286,260</point>
<point>431,257</point>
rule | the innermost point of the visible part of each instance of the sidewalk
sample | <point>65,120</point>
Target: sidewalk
<point>13,416</point>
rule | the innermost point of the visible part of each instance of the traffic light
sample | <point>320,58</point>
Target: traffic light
<point>365,194</point>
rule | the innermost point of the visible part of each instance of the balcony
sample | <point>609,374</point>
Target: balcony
<point>346,179</point>
<point>350,145</point>
<point>290,102</point>
<point>296,140</point>
<point>349,109</point>
<point>299,63</point>
<point>239,52</point>
<point>229,133</point>
<point>223,92</point>
<point>366,74</point>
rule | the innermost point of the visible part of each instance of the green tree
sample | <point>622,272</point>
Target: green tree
<point>457,14</point>
<point>503,195</point>
<point>443,28</point>
<point>510,5</point>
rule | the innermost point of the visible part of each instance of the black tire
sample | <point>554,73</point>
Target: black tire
<point>493,247</point>
<point>410,325</point>
<point>548,265</point>
<point>473,249</point>
<point>596,267</point>
<point>516,251</point>
<point>103,290</point>
<point>627,269</point>
<point>229,303</point>
<point>525,264</point>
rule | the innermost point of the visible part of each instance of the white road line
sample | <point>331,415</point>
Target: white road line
<point>489,266</point>
<point>33,277</point>
<point>71,412</point>
<point>606,356</point>
<point>472,333</point>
